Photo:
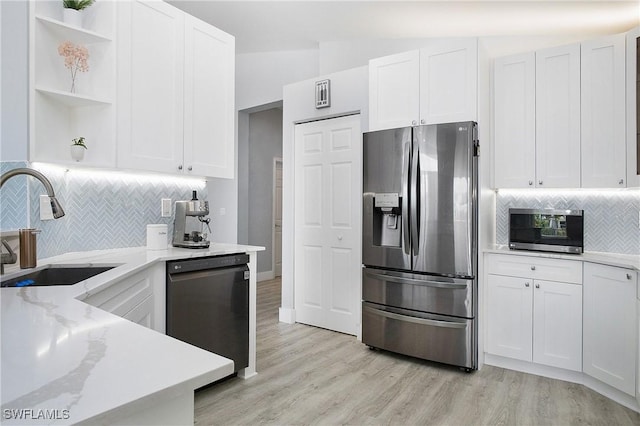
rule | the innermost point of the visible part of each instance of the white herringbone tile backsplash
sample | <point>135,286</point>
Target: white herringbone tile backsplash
<point>105,210</point>
<point>610,217</point>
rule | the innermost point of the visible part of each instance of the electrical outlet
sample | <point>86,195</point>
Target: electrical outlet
<point>165,207</point>
<point>45,207</point>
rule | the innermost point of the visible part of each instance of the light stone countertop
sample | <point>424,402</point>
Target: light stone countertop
<point>59,353</point>
<point>611,259</point>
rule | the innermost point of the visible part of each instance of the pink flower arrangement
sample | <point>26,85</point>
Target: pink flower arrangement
<point>75,58</point>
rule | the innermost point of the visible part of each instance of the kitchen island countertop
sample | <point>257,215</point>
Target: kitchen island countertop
<point>64,361</point>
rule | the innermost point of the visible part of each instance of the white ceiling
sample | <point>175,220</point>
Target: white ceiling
<point>265,25</point>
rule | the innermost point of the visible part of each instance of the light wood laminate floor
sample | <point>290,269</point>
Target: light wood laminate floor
<point>308,375</point>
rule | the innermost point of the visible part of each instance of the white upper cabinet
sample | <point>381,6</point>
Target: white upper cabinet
<point>514,121</point>
<point>603,112</point>
<point>437,84</point>
<point>150,86</point>
<point>449,81</point>
<point>209,111</point>
<point>394,91</point>
<point>633,111</point>
<point>59,112</point>
<point>578,93</point>
<point>558,117</point>
<point>175,92</point>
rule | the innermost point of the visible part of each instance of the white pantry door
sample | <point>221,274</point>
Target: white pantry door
<point>328,215</point>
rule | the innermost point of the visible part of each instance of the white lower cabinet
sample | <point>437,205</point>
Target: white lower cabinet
<point>610,321</point>
<point>510,317</point>
<point>536,321</point>
<point>138,298</point>
<point>531,319</point>
<point>557,324</point>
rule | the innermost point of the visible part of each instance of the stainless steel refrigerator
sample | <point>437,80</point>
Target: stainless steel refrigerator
<point>419,242</point>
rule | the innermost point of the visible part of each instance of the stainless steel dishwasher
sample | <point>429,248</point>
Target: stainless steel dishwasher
<point>208,305</point>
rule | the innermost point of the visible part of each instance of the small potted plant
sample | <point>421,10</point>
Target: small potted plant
<point>72,11</point>
<point>78,148</point>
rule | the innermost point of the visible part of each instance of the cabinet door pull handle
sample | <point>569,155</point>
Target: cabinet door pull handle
<point>530,183</point>
<point>621,181</point>
<point>539,182</point>
<point>423,121</point>
<point>537,285</point>
<point>414,122</point>
<point>533,268</point>
<point>180,167</point>
<point>628,276</point>
<point>190,168</point>
<point>526,284</point>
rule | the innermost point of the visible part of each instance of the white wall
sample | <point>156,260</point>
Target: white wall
<point>14,80</point>
<point>349,94</point>
<point>260,77</point>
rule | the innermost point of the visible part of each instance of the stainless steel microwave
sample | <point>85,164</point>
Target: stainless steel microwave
<point>559,231</point>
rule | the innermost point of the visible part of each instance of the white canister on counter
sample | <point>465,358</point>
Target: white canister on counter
<point>157,236</point>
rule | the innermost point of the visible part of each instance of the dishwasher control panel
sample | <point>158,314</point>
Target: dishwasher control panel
<point>202,263</point>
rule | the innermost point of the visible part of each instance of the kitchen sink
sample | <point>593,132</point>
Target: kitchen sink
<point>55,275</point>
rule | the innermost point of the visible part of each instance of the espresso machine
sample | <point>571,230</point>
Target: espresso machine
<point>189,222</point>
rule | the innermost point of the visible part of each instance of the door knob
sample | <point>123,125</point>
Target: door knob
<point>340,237</point>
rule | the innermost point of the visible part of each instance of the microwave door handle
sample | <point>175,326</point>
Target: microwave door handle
<point>406,159</point>
<point>415,197</point>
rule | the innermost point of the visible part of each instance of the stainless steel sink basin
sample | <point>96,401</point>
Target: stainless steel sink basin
<point>55,275</point>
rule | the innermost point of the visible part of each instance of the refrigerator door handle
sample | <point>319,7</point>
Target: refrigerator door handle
<point>406,159</point>
<point>415,200</point>
<point>428,283</point>
<point>416,320</point>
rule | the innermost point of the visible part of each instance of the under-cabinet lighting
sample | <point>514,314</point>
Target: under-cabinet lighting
<point>120,176</point>
<point>577,192</point>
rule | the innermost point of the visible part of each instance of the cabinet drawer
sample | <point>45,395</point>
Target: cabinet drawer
<point>122,297</point>
<point>568,271</point>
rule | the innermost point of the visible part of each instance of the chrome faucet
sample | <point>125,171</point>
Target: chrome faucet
<point>56,208</point>
<point>7,258</point>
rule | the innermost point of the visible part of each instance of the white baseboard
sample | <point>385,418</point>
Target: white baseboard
<point>265,276</point>
<point>287,315</point>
